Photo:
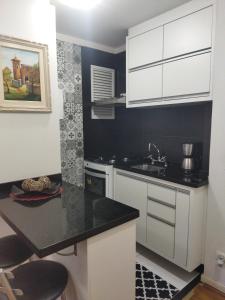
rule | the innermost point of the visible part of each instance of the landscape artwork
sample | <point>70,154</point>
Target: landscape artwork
<point>24,76</point>
<point>21,74</point>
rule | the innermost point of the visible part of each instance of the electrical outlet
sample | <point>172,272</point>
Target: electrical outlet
<point>220,258</point>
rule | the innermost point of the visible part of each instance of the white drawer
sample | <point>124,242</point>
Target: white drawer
<point>160,237</point>
<point>162,193</point>
<point>161,211</point>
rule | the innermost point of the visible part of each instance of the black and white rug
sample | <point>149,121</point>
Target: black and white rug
<point>150,286</point>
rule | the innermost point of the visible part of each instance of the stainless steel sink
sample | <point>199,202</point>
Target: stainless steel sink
<point>149,168</point>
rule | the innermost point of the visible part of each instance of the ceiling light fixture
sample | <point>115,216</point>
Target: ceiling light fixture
<point>81,4</point>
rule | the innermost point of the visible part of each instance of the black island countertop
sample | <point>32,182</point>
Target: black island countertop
<point>53,225</point>
<point>173,173</point>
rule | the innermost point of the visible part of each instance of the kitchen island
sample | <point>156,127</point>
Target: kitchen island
<point>100,234</point>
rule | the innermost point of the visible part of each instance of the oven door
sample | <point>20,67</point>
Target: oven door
<point>95,181</point>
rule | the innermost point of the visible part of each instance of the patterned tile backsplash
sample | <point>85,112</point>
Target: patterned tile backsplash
<point>71,126</point>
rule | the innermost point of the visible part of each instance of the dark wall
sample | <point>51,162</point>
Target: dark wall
<point>120,65</point>
<point>133,128</point>
<point>168,127</point>
<point>96,132</point>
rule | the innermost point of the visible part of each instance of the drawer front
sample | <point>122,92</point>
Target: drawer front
<point>162,193</point>
<point>166,213</point>
<point>160,237</point>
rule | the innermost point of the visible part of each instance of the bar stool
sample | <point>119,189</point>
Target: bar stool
<point>3,296</point>
<point>13,251</point>
<point>38,280</point>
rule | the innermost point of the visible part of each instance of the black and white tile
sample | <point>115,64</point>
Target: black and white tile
<point>150,286</point>
<point>71,127</point>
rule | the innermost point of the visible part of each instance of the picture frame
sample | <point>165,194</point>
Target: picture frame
<point>24,76</point>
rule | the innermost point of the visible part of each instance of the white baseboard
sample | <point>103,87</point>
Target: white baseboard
<point>217,285</point>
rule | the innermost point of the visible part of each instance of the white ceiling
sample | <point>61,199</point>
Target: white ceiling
<point>107,24</point>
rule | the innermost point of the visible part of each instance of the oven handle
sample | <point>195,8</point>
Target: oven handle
<point>98,175</point>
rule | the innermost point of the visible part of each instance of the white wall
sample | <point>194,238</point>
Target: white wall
<point>216,200</point>
<point>30,142</point>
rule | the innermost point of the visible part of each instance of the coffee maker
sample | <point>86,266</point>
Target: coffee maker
<point>188,163</point>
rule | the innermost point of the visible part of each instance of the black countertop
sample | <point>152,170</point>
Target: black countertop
<point>63,221</point>
<point>172,173</point>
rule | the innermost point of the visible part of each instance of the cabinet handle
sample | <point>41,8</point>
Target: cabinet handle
<point>170,59</point>
<point>169,98</point>
<point>145,180</point>
<point>95,174</point>
<point>162,202</point>
<point>161,220</point>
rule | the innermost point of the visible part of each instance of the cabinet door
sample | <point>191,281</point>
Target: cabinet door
<point>145,48</point>
<point>188,34</point>
<point>187,76</point>
<point>182,227</point>
<point>145,84</point>
<point>133,192</point>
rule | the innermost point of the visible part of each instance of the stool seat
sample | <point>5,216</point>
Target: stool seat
<point>3,296</point>
<point>40,280</point>
<point>13,251</point>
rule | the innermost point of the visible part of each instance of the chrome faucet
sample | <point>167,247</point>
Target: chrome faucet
<point>159,159</point>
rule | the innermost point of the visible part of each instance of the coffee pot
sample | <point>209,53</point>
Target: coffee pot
<point>188,160</point>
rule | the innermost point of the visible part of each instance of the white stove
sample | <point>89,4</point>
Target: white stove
<point>99,178</point>
<point>99,173</point>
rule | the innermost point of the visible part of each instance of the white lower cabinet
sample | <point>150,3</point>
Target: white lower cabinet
<point>171,216</point>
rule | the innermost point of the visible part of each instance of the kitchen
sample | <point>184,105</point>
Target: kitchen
<point>159,149</point>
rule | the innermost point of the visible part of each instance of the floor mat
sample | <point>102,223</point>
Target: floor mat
<point>150,286</point>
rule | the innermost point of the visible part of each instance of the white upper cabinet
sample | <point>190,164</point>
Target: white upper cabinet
<point>188,34</point>
<point>145,48</point>
<point>145,84</point>
<point>187,76</point>
<point>169,58</point>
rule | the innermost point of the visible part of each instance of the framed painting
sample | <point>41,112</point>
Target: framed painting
<point>24,76</point>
